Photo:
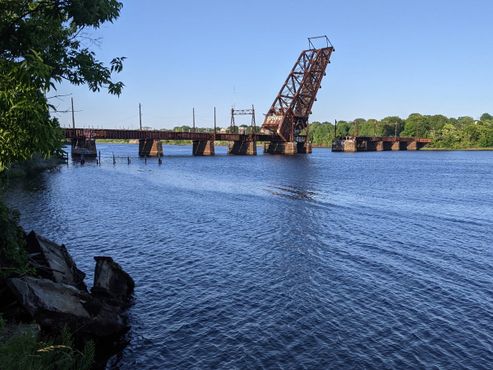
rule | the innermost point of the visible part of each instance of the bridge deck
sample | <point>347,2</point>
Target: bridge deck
<point>71,133</point>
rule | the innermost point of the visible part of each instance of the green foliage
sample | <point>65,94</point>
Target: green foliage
<point>13,256</point>
<point>25,124</point>
<point>50,28</point>
<point>40,46</point>
<point>24,351</point>
<point>451,133</point>
<point>321,133</point>
<point>486,117</point>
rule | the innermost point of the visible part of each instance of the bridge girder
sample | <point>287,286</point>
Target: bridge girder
<point>290,111</point>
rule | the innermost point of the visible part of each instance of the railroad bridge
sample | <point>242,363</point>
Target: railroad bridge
<point>283,130</point>
<point>378,143</point>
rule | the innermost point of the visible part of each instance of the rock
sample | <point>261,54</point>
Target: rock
<point>52,261</point>
<point>111,282</point>
<point>54,306</point>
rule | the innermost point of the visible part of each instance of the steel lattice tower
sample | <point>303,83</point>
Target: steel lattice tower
<point>289,113</point>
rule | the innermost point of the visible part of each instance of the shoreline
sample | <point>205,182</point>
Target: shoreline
<point>105,141</point>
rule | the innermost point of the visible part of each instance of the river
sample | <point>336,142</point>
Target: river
<point>329,260</point>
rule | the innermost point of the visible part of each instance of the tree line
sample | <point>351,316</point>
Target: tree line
<point>446,132</point>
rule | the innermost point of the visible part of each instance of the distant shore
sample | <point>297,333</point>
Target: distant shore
<point>458,149</point>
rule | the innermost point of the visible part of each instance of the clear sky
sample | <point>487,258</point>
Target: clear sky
<point>393,57</point>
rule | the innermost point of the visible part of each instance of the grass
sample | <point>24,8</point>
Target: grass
<point>23,351</point>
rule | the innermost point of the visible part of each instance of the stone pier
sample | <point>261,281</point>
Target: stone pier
<point>150,148</point>
<point>415,145</point>
<point>203,147</point>
<point>399,145</point>
<point>83,147</point>
<point>280,147</point>
<point>349,145</point>
<point>242,147</point>
<point>383,146</point>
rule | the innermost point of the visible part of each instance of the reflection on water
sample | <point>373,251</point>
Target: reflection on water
<point>323,261</point>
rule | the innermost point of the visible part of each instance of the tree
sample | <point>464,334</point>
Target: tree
<point>486,117</point>
<point>451,137</point>
<point>391,126</point>
<point>40,46</point>
<point>321,133</point>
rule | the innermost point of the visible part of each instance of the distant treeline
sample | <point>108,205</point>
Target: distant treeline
<point>452,133</point>
<point>448,133</point>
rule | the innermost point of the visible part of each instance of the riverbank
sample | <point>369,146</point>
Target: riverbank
<point>41,284</point>
<point>457,149</point>
<point>47,313</point>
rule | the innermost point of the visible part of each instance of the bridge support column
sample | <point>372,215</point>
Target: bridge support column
<point>242,147</point>
<point>203,147</point>
<point>281,147</point>
<point>150,148</point>
<point>304,148</point>
<point>411,146</point>
<point>82,146</point>
<point>350,145</point>
<point>399,145</point>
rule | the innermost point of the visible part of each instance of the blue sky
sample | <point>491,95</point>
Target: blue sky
<point>392,58</point>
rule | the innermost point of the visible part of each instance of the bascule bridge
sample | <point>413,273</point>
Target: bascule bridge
<point>283,130</point>
<point>288,115</point>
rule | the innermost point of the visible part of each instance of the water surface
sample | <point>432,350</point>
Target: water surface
<point>363,260</point>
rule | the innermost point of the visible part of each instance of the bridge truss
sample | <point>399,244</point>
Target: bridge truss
<point>289,112</point>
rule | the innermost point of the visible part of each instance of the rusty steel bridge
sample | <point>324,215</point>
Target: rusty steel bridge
<point>283,130</point>
<point>116,134</point>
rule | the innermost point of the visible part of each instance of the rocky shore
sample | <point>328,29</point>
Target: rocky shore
<point>56,297</point>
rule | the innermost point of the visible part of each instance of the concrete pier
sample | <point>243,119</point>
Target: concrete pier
<point>242,147</point>
<point>344,145</point>
<point>399,145</point>
<point>414,145</point>
<point>203,147</point>
<point>280,147</point>
<point>83,146</point>
<point>150,148</point>
<point>383,146</point>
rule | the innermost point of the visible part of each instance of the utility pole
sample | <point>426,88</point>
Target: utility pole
<point>335,129</point>
<point>232,125</point>
<point>73,115</point>
<point>254,125</point>
<point>395,132</point>
<point>214,123</point>
<point>140,116</point>
<point>193,119</point>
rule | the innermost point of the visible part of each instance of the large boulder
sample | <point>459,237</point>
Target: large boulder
<point>111,283</point>
<point>52,261</point>
<point>54,306</point>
